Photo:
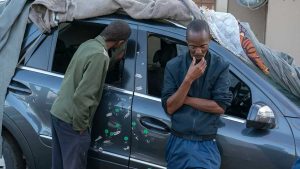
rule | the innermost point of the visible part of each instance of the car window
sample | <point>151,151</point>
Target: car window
<point>31,33</point>
<point>70,37</point>
<point>31,46</point>
<point>39,58</point>
<point>241,98</point>
<point>161,49</point>
<point>286,93</point>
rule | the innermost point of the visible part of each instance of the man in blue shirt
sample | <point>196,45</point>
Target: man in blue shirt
<point>195,93</point>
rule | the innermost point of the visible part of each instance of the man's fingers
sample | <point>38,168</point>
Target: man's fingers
<point>204,67</point>
<point>202,63</point>
<point>202,60</point>
<point>194,61</point>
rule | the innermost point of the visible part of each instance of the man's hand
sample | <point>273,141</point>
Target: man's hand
<point>196,70</point>
<point>120,55</point>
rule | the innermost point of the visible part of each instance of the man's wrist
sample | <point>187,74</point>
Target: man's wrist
<point>188,80</point>
<point>186,100</point>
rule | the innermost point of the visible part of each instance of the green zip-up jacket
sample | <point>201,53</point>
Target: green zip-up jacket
<point>82,87</point>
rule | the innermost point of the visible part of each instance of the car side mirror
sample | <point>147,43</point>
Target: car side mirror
<point>261,116</point>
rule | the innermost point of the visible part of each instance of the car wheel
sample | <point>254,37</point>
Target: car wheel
<point>12,153</point>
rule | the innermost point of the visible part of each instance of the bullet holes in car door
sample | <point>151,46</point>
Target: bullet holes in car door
<point>111,129</point>
<point>150,123</point>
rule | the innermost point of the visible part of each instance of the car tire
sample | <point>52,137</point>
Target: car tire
<point>12,154</point>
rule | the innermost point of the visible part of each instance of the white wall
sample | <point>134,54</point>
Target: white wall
<point>221,5</point>
<point>256,18</point>
<point>283,27</point>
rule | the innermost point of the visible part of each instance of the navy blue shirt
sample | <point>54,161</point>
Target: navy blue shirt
<point>213,85</point>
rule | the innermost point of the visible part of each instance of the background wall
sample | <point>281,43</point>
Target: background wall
<point>256,18</point>
<point>283,27</point>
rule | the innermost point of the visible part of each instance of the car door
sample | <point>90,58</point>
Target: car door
<point>111,130</point>
<point>110,133</point>
<point>150,124</point>
<point>249,148</point>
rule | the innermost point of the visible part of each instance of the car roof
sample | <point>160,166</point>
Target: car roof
<point>164,24</point>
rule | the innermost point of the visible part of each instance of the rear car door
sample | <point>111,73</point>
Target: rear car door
<point>111,130</point>
<point>110,134</point>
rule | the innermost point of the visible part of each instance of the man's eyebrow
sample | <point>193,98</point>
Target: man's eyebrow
<point>197,45</point>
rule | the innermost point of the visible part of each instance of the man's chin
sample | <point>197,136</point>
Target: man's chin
<point>198,58</point>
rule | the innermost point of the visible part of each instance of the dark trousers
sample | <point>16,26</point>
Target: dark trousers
<point>69,147</point>
<point>187,154</point>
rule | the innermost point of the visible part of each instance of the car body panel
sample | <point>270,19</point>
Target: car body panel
<point>295,126</point>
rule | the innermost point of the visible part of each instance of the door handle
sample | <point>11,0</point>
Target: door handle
<point>19,88</point>
<point>155,124</point>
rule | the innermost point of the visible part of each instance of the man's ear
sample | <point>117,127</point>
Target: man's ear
<point>119,43</point>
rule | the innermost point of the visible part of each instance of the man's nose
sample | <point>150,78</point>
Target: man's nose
<point>198,51</point>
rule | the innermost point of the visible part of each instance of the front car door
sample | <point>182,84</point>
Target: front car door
<point>249,148</point>
<point>240,147</point>
<point>150,124</point>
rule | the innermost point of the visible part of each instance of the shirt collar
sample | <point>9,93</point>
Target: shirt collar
<point>101,40</point>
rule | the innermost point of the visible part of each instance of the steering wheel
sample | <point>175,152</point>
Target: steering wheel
<point>241,100</point>
<point>235,94</point>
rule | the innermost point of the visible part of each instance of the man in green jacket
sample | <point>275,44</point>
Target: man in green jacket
<point>79,96</point>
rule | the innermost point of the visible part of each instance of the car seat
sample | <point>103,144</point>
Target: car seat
<point>156,76</point>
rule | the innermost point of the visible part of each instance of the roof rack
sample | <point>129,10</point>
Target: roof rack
<point>174,23</point>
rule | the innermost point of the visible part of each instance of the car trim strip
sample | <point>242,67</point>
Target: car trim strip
<point>115,155</point>
<point>147,163</point>
<point>62,76</point>
<point>132,159</point>
<point>233,118</point>
<point>118,89</point>
<point>46,137</point>
<point>176,24</point>
<point>40,71</point>
<point>147,97</point>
